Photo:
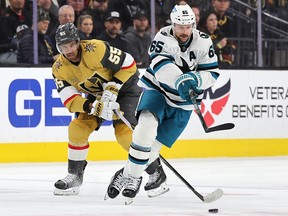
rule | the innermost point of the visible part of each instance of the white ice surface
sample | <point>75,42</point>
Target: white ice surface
<point>252,186</point>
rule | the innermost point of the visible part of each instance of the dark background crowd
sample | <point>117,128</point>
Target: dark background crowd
<point>126,24</point>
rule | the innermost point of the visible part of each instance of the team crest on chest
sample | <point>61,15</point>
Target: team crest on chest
<point>89,47</point>
<point>93,84</point>
<point>57,65</point>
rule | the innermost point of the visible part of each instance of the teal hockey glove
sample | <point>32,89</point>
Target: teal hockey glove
<point>185,84</point>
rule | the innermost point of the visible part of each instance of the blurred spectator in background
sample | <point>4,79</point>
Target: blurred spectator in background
<point>49,6</point>
<point>140,39</point>
<point>85,26</point>
<point>181,2</point>
<point>61,2</point>
<point>52,9</point>
<point>225,22</point>
<point>10,57</point>
<point>66,14</point>
<point>224,48</point>
<point>78,6</point>
<point>45,51</point>
<point>127,10</point>
<point>13,16</point>
<point>112,31</point>
<point>2,5</point>
<point>160,23</point>
<point>19,34</point>
<point>203,5</point>
<point>98,10</point>
<point>196,11</point>
<point>2,36</point>
<point>163,9</point>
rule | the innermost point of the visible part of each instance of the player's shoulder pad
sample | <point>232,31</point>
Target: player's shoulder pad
<point>89,46</point>
<point>164,42</point>
<point>58,65</point>
<point>201,37</point>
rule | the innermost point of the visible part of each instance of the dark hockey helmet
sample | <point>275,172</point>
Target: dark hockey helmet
<point>66,33</point>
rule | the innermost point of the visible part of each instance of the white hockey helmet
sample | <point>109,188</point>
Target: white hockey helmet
<point>183,15</point>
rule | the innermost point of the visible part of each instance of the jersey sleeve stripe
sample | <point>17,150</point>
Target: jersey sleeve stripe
<point>157,55</point>
<point>209,66</point>
<point>160,64</point>
<point>169,90</point>
<point>151,85</point>
<point>128,62</point>
<point>70,98</point>
<point>164,86</point>
<point>129,66</point>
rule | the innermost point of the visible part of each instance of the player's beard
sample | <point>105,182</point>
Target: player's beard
<point>74,56</point>
<point>183,38</point>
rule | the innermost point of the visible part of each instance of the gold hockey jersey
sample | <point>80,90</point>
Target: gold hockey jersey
<point>99,63</point>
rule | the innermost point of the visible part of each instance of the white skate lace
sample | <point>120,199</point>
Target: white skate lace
<point>70,179</point>
<point>133,183</point>
<point>118,183</point>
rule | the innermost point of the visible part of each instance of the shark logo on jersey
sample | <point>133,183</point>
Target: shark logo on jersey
<point>185,67</point>
<point>215,102</point>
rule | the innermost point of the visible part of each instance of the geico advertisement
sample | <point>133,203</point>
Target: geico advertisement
<point>255,101</point>
<point>32,110</point>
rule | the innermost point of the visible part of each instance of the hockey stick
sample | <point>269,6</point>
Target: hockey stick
<point>226,126</point>
<point>211,197</point>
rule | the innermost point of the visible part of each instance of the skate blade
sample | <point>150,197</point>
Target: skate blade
<point>67,192</point>
<point>106,197</point>
<point>128,200</point>
<point>158,191</point>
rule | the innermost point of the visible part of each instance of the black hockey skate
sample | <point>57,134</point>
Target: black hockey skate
<point>70,185</point>
<point>131,189</point>
<point>116,184</point>
<point>156,184</point>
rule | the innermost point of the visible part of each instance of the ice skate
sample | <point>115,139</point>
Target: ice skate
<point>156,184</point>
<point>116,184</point>
<point>70,185</point>
<point>131,189</point>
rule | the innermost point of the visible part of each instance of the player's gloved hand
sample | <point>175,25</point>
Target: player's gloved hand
<point>111,90</point>
<point>105,110</point>
<point>186,84</point>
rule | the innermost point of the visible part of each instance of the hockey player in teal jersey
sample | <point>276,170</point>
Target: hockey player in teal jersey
<point>183,61</point>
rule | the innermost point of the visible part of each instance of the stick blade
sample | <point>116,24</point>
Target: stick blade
<point>215,195</point>
<point>226,126</point>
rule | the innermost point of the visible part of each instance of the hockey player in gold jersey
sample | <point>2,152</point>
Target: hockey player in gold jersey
<point>93,79</point>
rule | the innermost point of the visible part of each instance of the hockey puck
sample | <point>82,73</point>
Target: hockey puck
<point>213,210</point>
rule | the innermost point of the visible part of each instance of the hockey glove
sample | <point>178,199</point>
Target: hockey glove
<point>105,110</point>
<point>110,92</point>
<point>186,84</point>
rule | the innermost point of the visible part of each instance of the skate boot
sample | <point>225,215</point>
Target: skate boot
<point>132,187</point>
<point>116,184</point>
<point>70,185</point>
<point>156,184</point>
